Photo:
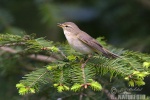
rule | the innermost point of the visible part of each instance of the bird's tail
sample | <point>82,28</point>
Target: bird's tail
<point>109,54</point>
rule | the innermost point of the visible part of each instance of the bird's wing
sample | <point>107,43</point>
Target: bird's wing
<point>88,40</point>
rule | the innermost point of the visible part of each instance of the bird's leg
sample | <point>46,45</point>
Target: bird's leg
<point>89,56</point>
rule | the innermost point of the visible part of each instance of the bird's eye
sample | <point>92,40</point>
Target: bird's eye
<point>66,26</point>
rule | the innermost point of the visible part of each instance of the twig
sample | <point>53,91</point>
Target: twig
<point>42,58</point>
<point>62,54</point>
<point>89,56</point>
<point>38,78</point>
<point>38,57</point>
<point>109,95</point>
<point>7,49</point>
<point>81,96</point>
<point>12,44</point>
<point>83,75</point>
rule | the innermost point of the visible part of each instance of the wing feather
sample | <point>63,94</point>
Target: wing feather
<point>88,40</point>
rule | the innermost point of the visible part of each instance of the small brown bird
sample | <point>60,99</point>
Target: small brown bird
<point>82,42</point>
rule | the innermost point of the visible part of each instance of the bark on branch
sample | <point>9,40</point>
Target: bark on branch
<point>38,57</point>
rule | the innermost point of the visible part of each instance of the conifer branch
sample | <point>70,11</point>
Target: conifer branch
<point>68,71</point>
<point>38,57</point>
<point>34,82</point>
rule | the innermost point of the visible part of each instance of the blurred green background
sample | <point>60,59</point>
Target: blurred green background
<point>123,23</point>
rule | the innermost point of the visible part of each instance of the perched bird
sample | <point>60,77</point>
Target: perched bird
<point>82,42</point>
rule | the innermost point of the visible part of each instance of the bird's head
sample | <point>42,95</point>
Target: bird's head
<point>69,26</point>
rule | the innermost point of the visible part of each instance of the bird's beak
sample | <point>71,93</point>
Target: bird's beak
<point>60,25</point>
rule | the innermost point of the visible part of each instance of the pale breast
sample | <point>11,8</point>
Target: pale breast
<point>77,44</point>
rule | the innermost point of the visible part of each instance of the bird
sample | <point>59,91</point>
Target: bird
<point>82,42</point>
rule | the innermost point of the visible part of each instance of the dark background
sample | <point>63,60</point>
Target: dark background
<point>123,23</point>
